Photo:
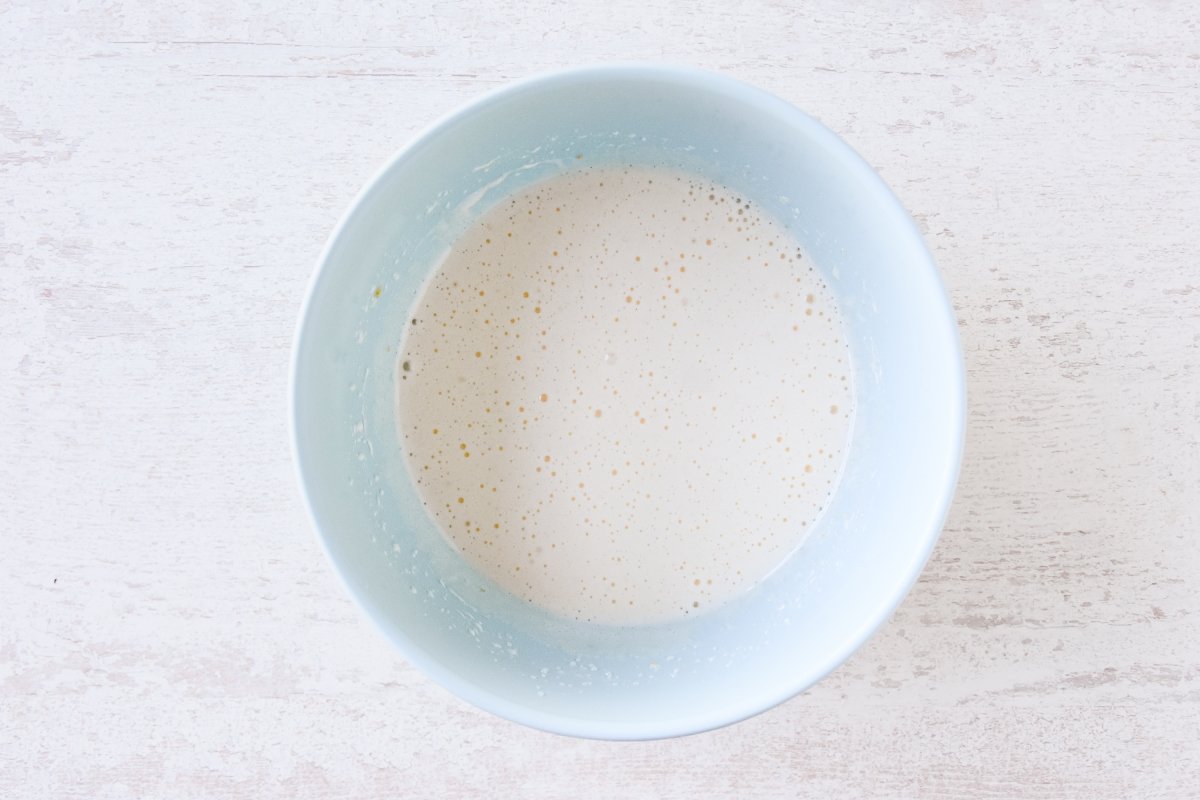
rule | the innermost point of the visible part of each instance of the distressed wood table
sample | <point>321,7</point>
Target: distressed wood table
<point>168,174</point>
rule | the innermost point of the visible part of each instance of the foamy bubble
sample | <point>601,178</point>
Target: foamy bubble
<point>616,390</point>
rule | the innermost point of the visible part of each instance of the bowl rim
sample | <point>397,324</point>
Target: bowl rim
<point>728,713</point>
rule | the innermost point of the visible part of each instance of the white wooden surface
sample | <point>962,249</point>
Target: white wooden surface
<point>168,175</point>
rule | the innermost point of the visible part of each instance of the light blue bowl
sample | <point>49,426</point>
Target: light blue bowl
<point>641,682</point>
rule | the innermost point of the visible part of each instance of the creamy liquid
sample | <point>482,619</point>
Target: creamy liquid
<point>625,395</point>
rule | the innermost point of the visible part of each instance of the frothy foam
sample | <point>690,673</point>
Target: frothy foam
<point>625,395</point>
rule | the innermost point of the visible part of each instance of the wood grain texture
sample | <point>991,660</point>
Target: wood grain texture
<point>168,174</point>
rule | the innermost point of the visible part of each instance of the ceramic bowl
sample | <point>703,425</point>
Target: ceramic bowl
<point>650,681</point>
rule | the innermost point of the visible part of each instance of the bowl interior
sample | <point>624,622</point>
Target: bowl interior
<point>809,614</point>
